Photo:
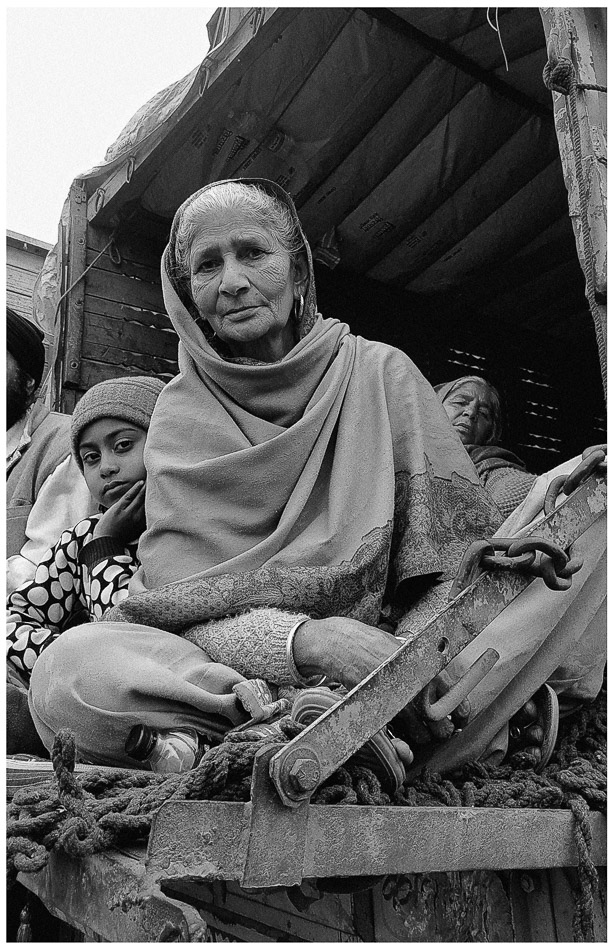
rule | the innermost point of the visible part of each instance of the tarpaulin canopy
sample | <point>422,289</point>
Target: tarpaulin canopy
<point>411,148</point>
<point>419,144</point>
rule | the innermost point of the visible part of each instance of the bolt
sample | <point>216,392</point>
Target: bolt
<point>304,774</point>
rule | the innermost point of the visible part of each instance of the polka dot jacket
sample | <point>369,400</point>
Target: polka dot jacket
<point>79,572</point>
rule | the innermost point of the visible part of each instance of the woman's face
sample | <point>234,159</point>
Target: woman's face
<point>243,283</point>
<point>470,409</point>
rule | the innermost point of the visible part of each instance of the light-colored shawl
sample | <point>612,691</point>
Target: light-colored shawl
<point>318,483</point>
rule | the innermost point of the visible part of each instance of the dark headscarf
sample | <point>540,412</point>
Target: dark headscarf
<point>24,341</point>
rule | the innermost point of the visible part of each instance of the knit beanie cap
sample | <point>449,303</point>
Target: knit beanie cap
<point>24,341</point>
<point>131,398</point>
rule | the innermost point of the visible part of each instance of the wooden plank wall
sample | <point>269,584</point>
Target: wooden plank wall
<point>552,392</point>
<point>24,259</point>
<point>553,396</point>
<point>125,328</point>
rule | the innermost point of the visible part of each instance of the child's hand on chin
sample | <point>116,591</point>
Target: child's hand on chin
<point>125,519</point>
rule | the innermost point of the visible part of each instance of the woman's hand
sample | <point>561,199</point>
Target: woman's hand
<point>125,519</point>
<point>346,651</point>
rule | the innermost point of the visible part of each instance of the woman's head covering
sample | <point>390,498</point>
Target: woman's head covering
<point>24,341</point>
<point>131,398</point>
<point>172,266</point>
<point>447,389</point>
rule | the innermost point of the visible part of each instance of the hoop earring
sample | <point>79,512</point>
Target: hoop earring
<point>298,308</point>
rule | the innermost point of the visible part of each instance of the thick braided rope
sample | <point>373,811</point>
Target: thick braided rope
<point>583,922</point>
<point>91,813</point>
<point>99,809</point>
<point>560,76</point>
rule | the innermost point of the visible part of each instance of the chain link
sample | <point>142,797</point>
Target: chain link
<point>532,555</point>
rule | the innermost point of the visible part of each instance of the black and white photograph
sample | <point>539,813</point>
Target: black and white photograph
<point>306,425</point>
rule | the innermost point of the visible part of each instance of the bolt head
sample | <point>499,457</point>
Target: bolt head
<point>304,774</point>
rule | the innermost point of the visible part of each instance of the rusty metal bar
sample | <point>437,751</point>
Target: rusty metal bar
<point>355,841</point>
<point>341,731</point>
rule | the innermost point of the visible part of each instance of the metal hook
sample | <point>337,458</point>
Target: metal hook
<point>436,709</point>
<point>114,254</point>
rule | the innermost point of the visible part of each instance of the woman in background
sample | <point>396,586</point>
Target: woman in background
<point>474,409</point>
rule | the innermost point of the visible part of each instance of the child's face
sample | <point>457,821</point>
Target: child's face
<point>111,451</point>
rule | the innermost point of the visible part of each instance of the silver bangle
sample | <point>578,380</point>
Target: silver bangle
<point>296,677</point>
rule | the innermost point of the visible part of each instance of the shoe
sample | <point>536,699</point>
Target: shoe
<point>379,754</point>
<point>533,730</point>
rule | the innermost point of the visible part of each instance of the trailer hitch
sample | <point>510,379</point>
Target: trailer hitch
<point>489,586</point>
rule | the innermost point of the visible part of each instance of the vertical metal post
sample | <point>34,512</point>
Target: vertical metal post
<point>72,307</point>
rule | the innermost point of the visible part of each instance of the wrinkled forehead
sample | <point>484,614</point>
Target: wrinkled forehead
<point>232,226</point>
<point>472,389</point>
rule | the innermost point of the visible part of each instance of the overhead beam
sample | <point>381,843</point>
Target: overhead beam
<point>388,18</point>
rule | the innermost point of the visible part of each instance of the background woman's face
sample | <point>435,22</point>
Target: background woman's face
<point>242,282</point>
<point>470,409</point>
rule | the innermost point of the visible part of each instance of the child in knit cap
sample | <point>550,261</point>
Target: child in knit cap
<point>91,564</point>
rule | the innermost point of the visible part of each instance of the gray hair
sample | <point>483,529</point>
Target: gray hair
<point>262,209</point>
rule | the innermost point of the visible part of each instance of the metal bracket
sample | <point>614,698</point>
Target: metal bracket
<point>284,831</point>
<point>336,735</point>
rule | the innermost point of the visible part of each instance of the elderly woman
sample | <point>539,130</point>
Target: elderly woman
<point>474,409</point>
<point>300,479</point>
<point>570,628</point>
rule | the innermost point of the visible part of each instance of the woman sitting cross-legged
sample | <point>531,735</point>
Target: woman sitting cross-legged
<point>300,480</point>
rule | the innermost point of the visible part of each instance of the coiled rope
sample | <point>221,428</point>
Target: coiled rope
<point>559,75</point>
<point>98,810</point>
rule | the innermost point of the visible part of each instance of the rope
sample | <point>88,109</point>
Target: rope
<point>98,810</point>
<point>591,85</point>
<point>559,75</point>
<point>84,272</point>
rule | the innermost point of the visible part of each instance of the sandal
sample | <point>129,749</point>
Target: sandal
<point>533,730</point>
<point>379,754</point>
